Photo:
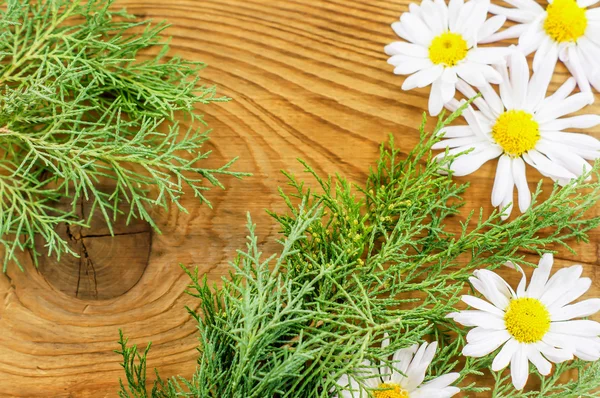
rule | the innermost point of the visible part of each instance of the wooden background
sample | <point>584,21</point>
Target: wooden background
<point>308,79</point>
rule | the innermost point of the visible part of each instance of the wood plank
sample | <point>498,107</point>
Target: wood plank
<point>309,80</point>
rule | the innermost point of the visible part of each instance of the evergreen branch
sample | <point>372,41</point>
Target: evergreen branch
<point>88,114</point>
<point>360,262</point>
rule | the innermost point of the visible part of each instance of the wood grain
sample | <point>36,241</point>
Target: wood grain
<point>309,80</point>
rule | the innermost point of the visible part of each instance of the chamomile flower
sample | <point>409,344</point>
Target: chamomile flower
<point>565,29</point>
<point>404,381</point>
<point>441,47</point>
<point>532,324</point>
<point>521,126</point>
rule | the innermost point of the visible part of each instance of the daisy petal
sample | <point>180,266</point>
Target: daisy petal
<point>423,78</point>
<point>482,305</point>
<point>503,181</point>
<point>582,327</point>
<point>576,122</point>
<point>409,49</point>
<point>541,363</point>
<point>504,356</point>
<point>471,162</point>
<point>511,33</point>
<point>519,367</point>
<point>442,381</point>
<point>483,348</point>
<point>481,319</point>
<point>578,310</point>
<point>520,178</point>
<point>540,276</point>
<point>490,27</point>
<point>556,355</point>
<point>578,289</point>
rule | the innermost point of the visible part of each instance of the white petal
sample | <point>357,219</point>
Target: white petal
<point>561,281</point>
<point>410,67</point>
<point>471,74</point>
<point>482,348</point>
<point>520,177</point>
<point>569,105</point>
<point>471,162</point>
<point>431,17</point>
<point>454,8</point>
<point>504,355</point>
<point>481,104</point>
<point>442,381</point>
<point>503,182</point>
<point>586,3</point>
<point>512,32</point>
<point>478,334</point>
<point>405,34</point>
<point>556,355</point>
<point>401,361</point>
<point>507,206</point>
<point>573,293</point>
<point>532,37</point>
<point>519,368</point>
<point>538,86</point>
<point>476,20</point>
<point>541,363</point>
<point>456,132</point>
<point>505,87</point>
<point>547,167</point>
<point>573,63</point>
<point>457,142</point>
<point>540,276</point>
<point>584,328</point>
<point>493,288</point>
<point>578,310</point>
<point>529,5</point>
<point>576,122</point>
<point>487,55</point>
<point>513,14</point>
<point>436,102</point>
<point>463,16</point>
<point>409,49</point>
<point>423,78</point>
<point>563,92</point>
<point>480,318</point>
<point>519,78</point>
<point>492,99</point>
<point>417,28</point>
<point>482,305</point>
<point>569,160</point>
<point>491,26</point>
<point>415,374</point>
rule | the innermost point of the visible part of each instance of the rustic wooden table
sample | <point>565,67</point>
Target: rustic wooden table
<point>309,80</point>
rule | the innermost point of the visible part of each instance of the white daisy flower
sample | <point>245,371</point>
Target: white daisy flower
<point>522,126</point>
<point>404,381</point>
<point>566,29</point>
<point>533,324</point>
<point>441,47</point>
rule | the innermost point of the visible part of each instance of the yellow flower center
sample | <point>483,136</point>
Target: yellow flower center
<point>516,132</point>
<point>390,390</point>
<point>527,320</point>
<point>566,21</point>
<point>448,49</point>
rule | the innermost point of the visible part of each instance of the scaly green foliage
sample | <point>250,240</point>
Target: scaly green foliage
<point>358,262</point>
<point>87,113</point>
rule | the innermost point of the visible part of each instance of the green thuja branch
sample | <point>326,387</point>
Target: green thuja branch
<point>87,112</point>
<point>390,257</point>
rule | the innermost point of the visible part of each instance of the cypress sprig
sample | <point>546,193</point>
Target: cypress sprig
<point>359,262</point>
<point>88,113</point>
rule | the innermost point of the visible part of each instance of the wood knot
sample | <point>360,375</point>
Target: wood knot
<point>108,266</point>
